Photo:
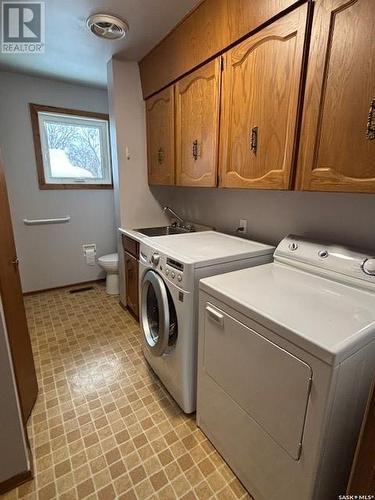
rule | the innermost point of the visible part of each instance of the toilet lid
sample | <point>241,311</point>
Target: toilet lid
<point>110,258</point>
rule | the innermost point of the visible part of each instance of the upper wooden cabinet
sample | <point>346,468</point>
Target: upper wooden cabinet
<point>160,137</point>
<point>260,95</point>
<point>337,148</point>
<point>205,32</point>
<point>197,126</point>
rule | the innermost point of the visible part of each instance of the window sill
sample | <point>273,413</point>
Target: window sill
<point>75,186</point>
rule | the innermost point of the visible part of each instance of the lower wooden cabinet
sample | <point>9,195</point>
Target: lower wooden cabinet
<point>197,98</point>
<point>131,282</point>
<point>260,96</point>
<point>337,148</point>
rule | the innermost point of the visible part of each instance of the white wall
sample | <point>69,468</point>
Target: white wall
<point>135,204</point>
<point>13,455</point>
<point>339,217</point>
<point>51,255</point>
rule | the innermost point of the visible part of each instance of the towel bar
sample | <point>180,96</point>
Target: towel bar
<point>39,222</point>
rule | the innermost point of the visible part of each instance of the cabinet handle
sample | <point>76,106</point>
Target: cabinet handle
<point>160,156</point>
<point>254,140</point>
<point>195,150</point>
<point>370,131</point>
<point>215,315</point>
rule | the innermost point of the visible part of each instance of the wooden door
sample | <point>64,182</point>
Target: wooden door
<point>14,311</point>
<point>131,279</point>
<point>337,151</point>
<point>160,137</point>
<point>197,126</point>
<point>260,97</point>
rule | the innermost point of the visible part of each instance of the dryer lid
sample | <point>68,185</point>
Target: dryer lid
<point>326,318</point>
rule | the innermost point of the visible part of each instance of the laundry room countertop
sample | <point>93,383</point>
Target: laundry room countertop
<point>135,235</point>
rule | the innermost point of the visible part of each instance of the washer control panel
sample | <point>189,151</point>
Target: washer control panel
<point>155,258</point>
<point>174,270</point>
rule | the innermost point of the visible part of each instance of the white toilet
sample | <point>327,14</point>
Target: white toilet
<point>110,265</point>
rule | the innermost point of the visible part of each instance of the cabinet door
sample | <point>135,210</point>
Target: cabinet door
<point>260,96</point>
<point>197,126</point>
<point>160,137</point>
<point>337,151</point>
<point>131,280</point>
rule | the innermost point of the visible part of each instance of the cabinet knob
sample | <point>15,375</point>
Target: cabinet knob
<point>370,130</point>
<point>160,156</point>
<point>254,140</point>
<point>196,150</point>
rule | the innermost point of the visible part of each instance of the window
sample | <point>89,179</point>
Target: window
<point>71,148</point>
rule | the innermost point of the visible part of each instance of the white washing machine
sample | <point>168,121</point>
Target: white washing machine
<point>286,360</point>
<point>170,268</point>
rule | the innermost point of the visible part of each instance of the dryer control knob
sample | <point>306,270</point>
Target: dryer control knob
<point>155,259</point>
<point>179,277</point>
<point>173,274</point>
<point>369,267</point>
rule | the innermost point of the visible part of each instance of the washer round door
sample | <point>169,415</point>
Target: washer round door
<point>158,314</point>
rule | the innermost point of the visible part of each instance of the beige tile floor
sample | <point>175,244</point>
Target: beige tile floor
<point>103,426</point>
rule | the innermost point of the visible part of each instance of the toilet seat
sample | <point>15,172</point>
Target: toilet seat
<point>109,262</point>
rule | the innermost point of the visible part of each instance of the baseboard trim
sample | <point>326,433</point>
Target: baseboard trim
<point>15,481</point>
<point>25,294</point>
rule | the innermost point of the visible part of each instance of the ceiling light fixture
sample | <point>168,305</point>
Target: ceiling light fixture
<point>107,26</point>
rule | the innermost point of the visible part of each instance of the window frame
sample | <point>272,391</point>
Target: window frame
<point>35,109</point>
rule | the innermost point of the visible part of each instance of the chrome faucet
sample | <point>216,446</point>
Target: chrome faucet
<point>180,220</point>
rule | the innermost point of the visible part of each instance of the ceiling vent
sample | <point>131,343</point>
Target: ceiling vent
<point>106,26</point>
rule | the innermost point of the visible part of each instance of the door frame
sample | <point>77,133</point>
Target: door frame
<point>14,309</point>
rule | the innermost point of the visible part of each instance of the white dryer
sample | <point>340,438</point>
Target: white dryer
<point>286,360</point>
<point>170,268</point>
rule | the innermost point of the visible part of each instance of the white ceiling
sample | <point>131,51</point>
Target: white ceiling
<point>72,53</point>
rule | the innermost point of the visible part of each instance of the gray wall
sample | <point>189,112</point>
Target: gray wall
<point>50,256</point>
<point>13,454</point>
<point>339,217</point>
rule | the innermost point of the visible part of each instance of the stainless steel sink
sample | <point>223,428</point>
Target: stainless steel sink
<point>162,230</point>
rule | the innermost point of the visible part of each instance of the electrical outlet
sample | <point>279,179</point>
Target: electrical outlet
<point>242,228</point>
